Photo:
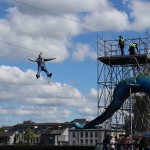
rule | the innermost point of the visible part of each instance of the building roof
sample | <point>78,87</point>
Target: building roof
<point>6,134</point>
<point>57,131</point>
<point>8,127</point>
<point>92,129</point>
<point>47,131</point>
<point>43,124</point>
<point>51,131</point>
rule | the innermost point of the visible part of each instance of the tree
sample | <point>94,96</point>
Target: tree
<point>141,107</point>
<point>2,129</point>
<point>141,112</point>
<point>29,135</point>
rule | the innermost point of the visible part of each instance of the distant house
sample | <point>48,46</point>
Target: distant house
<point>7,138</point>
<point>51,133</point>
<point>9,128</point>
<point>55,137</point>
<point>39,128</point>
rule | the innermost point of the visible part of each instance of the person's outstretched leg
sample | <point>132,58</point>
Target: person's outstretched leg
<point>45,70</point>
<point>38,72</point>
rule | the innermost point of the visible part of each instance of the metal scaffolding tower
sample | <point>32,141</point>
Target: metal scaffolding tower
<point>112,67</point>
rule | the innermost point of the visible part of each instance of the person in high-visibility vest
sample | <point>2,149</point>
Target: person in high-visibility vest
<point>121,44</point>
<point>132,47</point>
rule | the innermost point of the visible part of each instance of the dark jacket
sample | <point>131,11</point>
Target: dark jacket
<point>41,62</point>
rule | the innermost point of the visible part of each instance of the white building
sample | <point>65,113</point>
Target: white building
<point>7,138</point>
<point>88,137</point>
<point>63,138</point>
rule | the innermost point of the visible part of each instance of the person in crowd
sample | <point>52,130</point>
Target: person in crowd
<point>127,142</point>
<point>148,144</point>
<point>106,142</point>
<point>112,143</point>
<point>116,143</point>
<point>141,142</point>
<point>135,143</point>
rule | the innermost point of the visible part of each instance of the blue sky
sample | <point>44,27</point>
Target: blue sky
<point>72,92</point>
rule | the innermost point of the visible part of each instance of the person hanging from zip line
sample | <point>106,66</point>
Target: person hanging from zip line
<point>132,47</point>
<point>41,65</point>
<point>121,44</point>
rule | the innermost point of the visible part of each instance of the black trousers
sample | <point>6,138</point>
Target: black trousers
<point>132,51</point>
<point>122,49</point>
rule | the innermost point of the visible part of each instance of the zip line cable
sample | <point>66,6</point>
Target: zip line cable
<point>54,15</point>
<point>28,48</point>
<point>63,17</point>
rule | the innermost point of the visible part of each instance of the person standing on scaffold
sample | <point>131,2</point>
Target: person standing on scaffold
<point>132,48</point>
<point>41,65</point>
<point>121,44</point>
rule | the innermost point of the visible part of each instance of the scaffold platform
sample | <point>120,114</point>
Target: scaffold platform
<point>124,60</point>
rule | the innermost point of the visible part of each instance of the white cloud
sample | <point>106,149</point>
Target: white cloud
<point>3,111</point>
<point>15,76</point>
<point>125,2</point>
<point>43,31</point>
<point>30,32</point>
<point>25,100</point>
<point>25,96</point>
<point>62,7</point>
<point>47,114</point>
<point>107,20</point>
<point>90,109</point>
<point>140,15</point>
<point>92,93</point>
<point>82,51</point>
<point>56,94</point>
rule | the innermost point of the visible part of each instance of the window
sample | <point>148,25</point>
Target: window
<point>91,134</point>
<point>96,134</point>
<point>81,134</point>
<point>81,141</point>
<point>73,134</point>
<point>95,141</point>
<point>25,127</point>
<point>73,142</point>
<point>91,141</point>
<point>86,142</point>
<point>86,134</point>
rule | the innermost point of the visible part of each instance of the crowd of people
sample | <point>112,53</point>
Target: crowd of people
<point>126,143</point>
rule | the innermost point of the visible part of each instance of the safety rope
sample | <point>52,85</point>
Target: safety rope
<point>48,79</point>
